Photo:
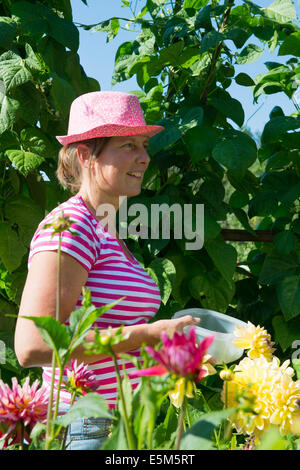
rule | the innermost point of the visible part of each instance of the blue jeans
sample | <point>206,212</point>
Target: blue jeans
<point>87,433</point>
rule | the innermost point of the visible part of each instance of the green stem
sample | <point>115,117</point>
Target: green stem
<point>150,430</point>
<point>187,412</point>
<point>58,288</point>
<point>130,436</point>
<point>49,429</point>
<point>208,409</point>
<point>21,436</point>
<point>63,444</point>
<point>49,426</point>
<point>61,370</point>
<point>181,420</point>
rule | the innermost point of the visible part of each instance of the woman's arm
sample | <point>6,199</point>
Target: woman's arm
<point>39,299</point>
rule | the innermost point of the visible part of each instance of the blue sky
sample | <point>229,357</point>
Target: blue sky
<point>97,59</point>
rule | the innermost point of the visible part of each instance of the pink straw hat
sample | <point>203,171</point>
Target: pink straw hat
<point>106,114</point>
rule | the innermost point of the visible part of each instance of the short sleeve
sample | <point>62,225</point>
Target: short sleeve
<point>81,246</point>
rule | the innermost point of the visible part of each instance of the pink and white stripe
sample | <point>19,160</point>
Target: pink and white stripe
<point>111,275</point>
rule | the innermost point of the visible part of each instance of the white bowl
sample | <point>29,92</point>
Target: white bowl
<point>219,325</point>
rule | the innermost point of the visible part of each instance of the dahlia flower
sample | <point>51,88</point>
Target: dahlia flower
<point>21,406</point>
<point>267,392</point>
<point>80,379</point>
<point>287,405</point>
<point>254,338</point>
<point>179,355</point>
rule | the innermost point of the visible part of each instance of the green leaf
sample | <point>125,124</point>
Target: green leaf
<point>9,139</point>
<point>243,219</point>
<point>285,242</point>
<point>200,141</point>
<point>238,199</point>
<point>277,126</point>
<point>199,436</point>
<point>286,332</point>
<point>30,103</point>
<point>8,30</point>
<point>41,19</point>
<point>10,108</point>
<point>196,4</point>
<point>111,27</point>
<point>191,118</point>
<point>62,93</point>
<point>263,204</point>
<point>34,140</point>
<point>164,139</point>
<point>26,214</point>
<point>272,440</point>
<point>291,45</point>
<point>249,54</point>
<point>127,394</point>
<point>24,161</point>
<point>118,440</point>
<point>282,11</point>
<point>210,40</point>
<point>14,285</point>
<point>179,290</point>
<point>224,257</point>
<point>244,80</point>
<point>296,366</point>
<point>163,273</point>
<point>212,290</point>
<point>32,60</point>
<point>236,153</point>
<point>11,249</point>
<point>91,405</point>
<point>229,107</point>
<point>54,333</point>
<point>30,20</point>
<point>288,292</point>
<point>276,267</point>
<point>82,319</point>
<point>211,227</point>
<point>13,70</point>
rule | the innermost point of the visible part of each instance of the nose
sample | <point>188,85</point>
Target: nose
<point>143,157</point>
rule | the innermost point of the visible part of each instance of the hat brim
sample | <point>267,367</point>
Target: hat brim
<point>110,130</point>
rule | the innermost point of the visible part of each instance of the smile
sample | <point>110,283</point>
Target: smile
<point>135,174</point>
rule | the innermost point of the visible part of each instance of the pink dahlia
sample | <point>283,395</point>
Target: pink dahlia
<point>21,405</point>
<point>80,379</point>
<point>180,355</point>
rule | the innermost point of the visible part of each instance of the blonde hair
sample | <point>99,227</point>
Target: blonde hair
<point>69,171</point>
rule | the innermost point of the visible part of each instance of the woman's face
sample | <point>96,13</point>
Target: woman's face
<point>120,167</point>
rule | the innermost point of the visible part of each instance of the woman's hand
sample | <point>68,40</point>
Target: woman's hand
<point>169,326</point>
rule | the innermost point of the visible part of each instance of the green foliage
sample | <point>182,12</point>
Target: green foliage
<point>40,74</point>
<point>207,155</point>
<point>183,58</point>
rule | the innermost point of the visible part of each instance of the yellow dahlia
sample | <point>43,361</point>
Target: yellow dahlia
<point>254,338</point>
<point>286,398</point>
<point>250,392</point>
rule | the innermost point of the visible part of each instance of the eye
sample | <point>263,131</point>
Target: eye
<point>129,145</point>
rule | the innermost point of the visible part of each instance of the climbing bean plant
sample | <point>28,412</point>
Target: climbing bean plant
<point>184,59</point>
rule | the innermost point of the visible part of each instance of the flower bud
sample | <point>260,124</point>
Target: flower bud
<point>104,340</point>
<point>226,374</point>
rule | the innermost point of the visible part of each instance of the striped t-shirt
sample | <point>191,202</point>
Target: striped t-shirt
<point>111,275</point>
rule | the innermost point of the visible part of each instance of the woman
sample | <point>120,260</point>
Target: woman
<point>104,157</point>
